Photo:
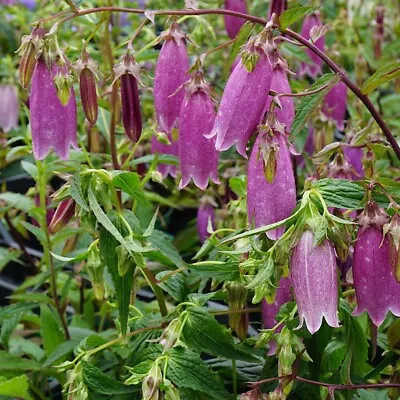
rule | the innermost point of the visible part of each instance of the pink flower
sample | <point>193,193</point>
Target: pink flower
<point>53,125</point>
<point>276,7</point>
<point>205,213</point>
<point>232,23</point>
<point>9,108</point>
<point>171,73</point>
<point>314,67</point>
<point>314,280</point>
<point>335,104</point>
<point>269,202</point>
<point>198,157</point>
<point>377,291</point>
<point>354,156</point>
<point>243,101</point>
<point>169,149</point>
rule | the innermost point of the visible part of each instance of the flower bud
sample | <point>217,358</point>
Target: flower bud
<point>128,73</point>
<point>392,230</point>
<point>245,94</point>
<point>314,280</point>
<point>376,288</point>
<point>53,125</point>
<point>237,301</point>
<point>151,383</point>
<point>9,108</point>
<point>197,154</point>
<point>30,49</point>
<point>266,203</point>
<point>379,30</point>
<point>335,104</point>
<point>171,73</point>
<point>87,86</point>
<point>64,212</point>
<point>205,217</point>
<point>314,67</point>
<point>95,269</point>
<point>276,7</point>
<point>232,23</point>
<point>170,335</point>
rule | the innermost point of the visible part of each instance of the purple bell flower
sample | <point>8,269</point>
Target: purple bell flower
<point>377,290</point>
<point>276,7</point>
<point>171,73</point>
<point>9,108</point>
<point>198,157</point>
<point>315,283</point>
<point>280,84</point>
<point>274,200</point>
<point>53,125</point>
<point>335,104</point>
<point>243,100</point>
<point>314,67</point>
<point>354,156</point>
<point>205,213</point>
<point>168,149</point>
<point>233,24</point>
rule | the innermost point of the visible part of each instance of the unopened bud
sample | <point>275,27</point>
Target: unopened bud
<point>95,269</point>
<point>151,384</point>
<point>171,334</point>
<point>64,212</point>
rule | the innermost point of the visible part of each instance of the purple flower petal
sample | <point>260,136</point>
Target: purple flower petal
<point>205,213</point>
<point>233,24</point>
<point>335,104</point>
<point>9,108</point>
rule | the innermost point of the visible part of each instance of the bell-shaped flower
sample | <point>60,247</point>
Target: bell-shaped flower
<point>315,283</point>
<point>314,66</point>
<point>205,216</point>
<point>197,154</point>
<point>245,96</point>
<point>377,290</point>
<point>354,156</point>
<point>171,148</point>
<point>335,104</point>
<point>9,108</point>
<point>53,125</point>
<point>171,73</point>
<point>232,23</point>
<point>271,189</point>
<point>280,84</point>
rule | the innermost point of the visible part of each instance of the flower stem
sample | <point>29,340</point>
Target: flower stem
<point>42,181</point>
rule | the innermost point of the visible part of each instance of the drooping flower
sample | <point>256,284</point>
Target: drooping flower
<point>280,84</point>
<point>171,73</point>
<point>354,156</point>
<point>245,96</point>
<point>197,154</point>
<point>128,73</point>
<point>335,104</point>
<point>377,290</point>
<point>205,215</point>
<point>232,23</point>
<point>168,149</point>
<point>270,200</point>
<point>52,124</point>
<point>314,67</point>
<point>314,279</point>
<point>9,108</point>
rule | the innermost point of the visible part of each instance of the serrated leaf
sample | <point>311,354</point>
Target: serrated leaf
<point>50,329</point>
<point>216,270</point>
<point>17,387</point>
<point>175,285</point>
<point>308,104</point>
<point>384,74</point>
<point>101,383</point>
<point>294,14</point>
<point>187,370</point>
<point>203,333</point>
<point>163,243</point>
<point>77,193</point>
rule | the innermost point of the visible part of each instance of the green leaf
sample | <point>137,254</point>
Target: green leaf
<point>238,185</point>
<point>31,169</point>
<point>308,104</point>
<point>163,243</point>
<point>130,183</point>
<point>240,40</point>
<point>175,285</point>
<point>50,329</point>
<point>187,370</point>
<point>8,255</point>
<point>17,387</point>
<point>216,270</point>
<point>19,201</point>
<point>292,15</point>
<point>101,383</point>
<point>138,372</point>
<point>8,325</point>
<point>77,193</point>
<point>161,158</point>
<point>384,74</point>
<point>9,362</point>
<point>123,284</point>
<point>203,333</point>
<point>60,352</point>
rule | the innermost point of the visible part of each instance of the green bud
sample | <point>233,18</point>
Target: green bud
<point>171,334</point>
<point>151,383</point>
<point>95,269</point>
